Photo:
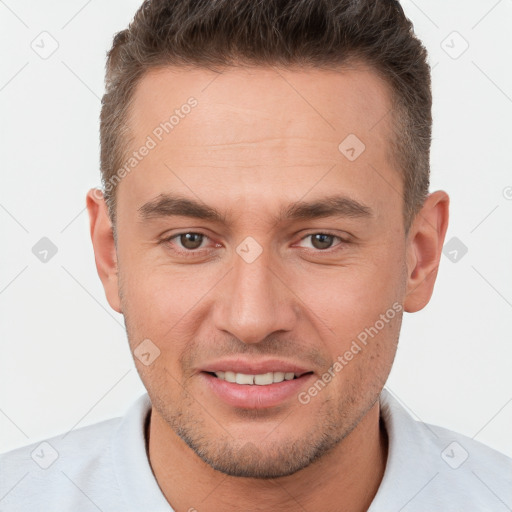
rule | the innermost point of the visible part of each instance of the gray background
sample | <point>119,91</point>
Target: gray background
<point>64,359</point>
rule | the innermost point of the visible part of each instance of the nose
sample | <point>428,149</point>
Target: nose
<point>255,300</point>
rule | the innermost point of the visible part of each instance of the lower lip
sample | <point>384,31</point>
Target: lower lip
<point>253,396</point>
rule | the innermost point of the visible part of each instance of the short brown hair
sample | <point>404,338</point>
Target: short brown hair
<point>315,33</point>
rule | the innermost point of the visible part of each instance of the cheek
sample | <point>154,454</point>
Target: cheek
<point>361,306</point>
<point>157,308</point>
<point>350,298</point>
<point>164,303</point>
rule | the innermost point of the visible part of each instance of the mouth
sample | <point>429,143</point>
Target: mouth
<point>255,386</point>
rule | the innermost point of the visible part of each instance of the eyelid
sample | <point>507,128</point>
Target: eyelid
<point>192,252</point>
<point>342,240</point>
<point>168,239</point>
<point>176,235</point>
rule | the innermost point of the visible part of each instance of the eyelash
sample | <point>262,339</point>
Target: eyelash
<point>195,252</point>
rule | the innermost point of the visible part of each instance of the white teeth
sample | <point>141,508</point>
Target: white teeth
<point>229,376</point>
<point>278,376</point>
<point>242,378</point>
<point>262,379</point>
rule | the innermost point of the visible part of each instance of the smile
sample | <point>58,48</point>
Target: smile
<point>255,390</point>
<point>261,379</point>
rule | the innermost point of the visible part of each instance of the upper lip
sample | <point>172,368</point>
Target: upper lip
<point>255,367</point>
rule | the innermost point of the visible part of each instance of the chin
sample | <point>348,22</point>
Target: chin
<point>249,460</point>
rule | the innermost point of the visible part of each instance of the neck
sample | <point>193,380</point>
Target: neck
<point>345,479</point>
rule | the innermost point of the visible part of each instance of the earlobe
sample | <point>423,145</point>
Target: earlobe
<point>424,248</point>
<point>104,247</point>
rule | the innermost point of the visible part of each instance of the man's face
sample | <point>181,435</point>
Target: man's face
<point>264,287</point>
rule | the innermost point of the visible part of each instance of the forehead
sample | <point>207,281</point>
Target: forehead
<point>278,101</point>
<point>259,131</point>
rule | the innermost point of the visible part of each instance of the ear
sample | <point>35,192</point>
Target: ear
<point>424,245</point>
<point>104,247</point>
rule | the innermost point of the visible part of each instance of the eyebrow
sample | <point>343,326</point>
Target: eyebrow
<point>169,205</point>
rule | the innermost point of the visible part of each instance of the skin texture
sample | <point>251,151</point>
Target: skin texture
<point>259,140</point>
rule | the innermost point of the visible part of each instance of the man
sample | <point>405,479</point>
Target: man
<point>265,222</point>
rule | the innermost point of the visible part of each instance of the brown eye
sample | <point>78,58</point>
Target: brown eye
<point>322,240</point>
<point>191,240</point>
